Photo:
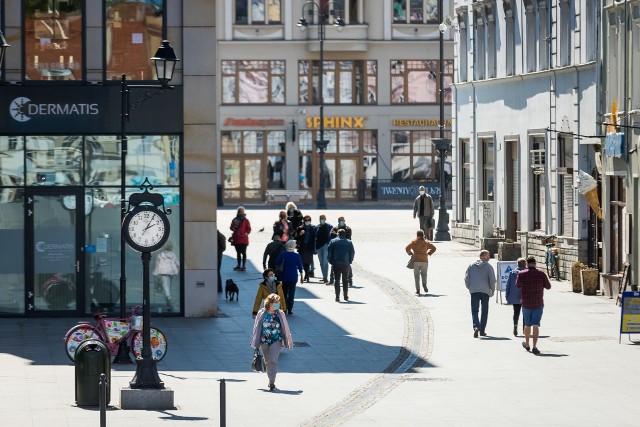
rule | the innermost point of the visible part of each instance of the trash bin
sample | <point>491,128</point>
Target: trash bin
<point>92,359</point>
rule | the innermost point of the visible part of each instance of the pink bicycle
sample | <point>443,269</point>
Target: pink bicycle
<point>112,331</point>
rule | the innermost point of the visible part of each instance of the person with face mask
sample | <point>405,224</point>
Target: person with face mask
<point>271,333</point>
<point>480,280</point>
<point>270,285</point>
<point>283,227</point>
<point>342,225</point>
<point>291,265</point>
<point>423,208</point>
<point>241,228</point>
<point>306,239</point>
<point>294,216</point>
<point>323,237</point>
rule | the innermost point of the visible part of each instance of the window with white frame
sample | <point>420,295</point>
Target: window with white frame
<point>614,58</point>
<point>479,53</point>
<point>415,11</point>
<point>463,44</point>
<point>538,181</point>
<point>590,24</point>
<point>253,82</point>
<point>510,35</point>
<point>544,36</point>
<point>258,11</point>
<point>565,38</point>
<point>465,179</point>
<point>565,184</point>
<point>345,9</point>
<point>530,47</point>
<point>488,168</point>
<point>490,19</point>
<point>345,82</point>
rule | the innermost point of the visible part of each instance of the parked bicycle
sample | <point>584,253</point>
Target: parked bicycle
<point>112,331</point>
<point>551,257</point>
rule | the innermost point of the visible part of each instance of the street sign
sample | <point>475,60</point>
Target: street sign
<point>504,268</point>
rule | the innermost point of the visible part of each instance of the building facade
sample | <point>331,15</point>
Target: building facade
<point>620,115</point>
<point>525,123</point>
<point>62,105</point>
<point>380,96</point>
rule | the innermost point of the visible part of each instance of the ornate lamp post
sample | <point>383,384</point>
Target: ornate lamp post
<point>442,144</point>
<point>321,143</point>
<point>165,62</point>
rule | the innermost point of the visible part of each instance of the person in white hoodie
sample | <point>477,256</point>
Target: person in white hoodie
<point>480,279</point>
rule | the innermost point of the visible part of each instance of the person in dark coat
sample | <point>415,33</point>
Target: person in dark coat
<point>294,216</point>
<point>222,246</point>
<point>283,228</point>
<point>306,239</point>
<point>342,225</point>
<point>323,233</point>
<point>271,253</point>
<point>341,255</point>
<point>514,295</point>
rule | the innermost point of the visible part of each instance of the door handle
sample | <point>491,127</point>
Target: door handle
<point>77,264</point>
<point>29,212</point>
<point>30,294</point>
<point>30,307</point>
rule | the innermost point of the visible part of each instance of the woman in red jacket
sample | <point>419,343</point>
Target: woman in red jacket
<point>241,228</point>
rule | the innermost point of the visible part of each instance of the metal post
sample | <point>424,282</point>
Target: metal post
<point>103,400</point>
<point>123,347</point>
<point>321,143</point>
<point>223,403</point>
<point>442,230</point>
<point>146,368</point>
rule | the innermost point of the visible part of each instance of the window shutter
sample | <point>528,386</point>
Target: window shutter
<point>567,205</point>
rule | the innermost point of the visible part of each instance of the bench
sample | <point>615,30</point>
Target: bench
<point>287,195</point>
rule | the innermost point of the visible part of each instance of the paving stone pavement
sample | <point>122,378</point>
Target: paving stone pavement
<point>384,358</point>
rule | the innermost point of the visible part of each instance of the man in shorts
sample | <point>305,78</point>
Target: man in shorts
<point>532,283</point>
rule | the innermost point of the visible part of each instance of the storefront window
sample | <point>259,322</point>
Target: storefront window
<point>133,33</point>
<point>54,160</point>
<point>12,278</point>
<point>415,82</point>
<point>350,160</point>
<point>345,82</point>
<point>53,39</point>
<point>253,82</point>
<point>252,161</point>
<point>413,156</point>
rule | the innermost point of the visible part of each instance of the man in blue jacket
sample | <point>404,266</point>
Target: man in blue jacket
<point>341,255</point>
<point>514,295</point>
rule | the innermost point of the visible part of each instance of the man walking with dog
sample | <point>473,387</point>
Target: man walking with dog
<point>532,282</point>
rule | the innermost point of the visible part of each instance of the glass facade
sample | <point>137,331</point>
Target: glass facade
<point>61,195</point>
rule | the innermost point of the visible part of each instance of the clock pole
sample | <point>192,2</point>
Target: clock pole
<point>146,370</point>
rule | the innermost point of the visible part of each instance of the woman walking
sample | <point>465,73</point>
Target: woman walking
<point>283,228</point>
<point>420,249</point>
<point>271,333</point>
<point>292,265</point>
<point>268,286</point>
<point>241,228</point>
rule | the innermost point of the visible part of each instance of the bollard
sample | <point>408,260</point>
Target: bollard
<point>103,400</point>
<point>223,403</point>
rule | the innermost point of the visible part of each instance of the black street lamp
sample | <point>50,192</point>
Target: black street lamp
<point>165,62</point>
<point>442,144</point>
<point>3,47</point>
<point>321,143</point>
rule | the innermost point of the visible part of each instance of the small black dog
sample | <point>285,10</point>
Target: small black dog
<point>230,289</point>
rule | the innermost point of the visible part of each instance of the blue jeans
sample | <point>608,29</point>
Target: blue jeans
<point>476,299</point>
<point>323,259</point>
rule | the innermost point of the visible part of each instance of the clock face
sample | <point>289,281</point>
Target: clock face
<point>146,228</point>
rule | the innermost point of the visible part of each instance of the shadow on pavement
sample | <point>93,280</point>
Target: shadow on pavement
<point>552,355</point>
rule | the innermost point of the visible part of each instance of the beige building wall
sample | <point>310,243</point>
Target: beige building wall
<point>198,41</point>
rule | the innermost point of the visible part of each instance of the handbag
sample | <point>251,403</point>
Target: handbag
<point>432,223</point>
<point>410,263</point>
<point>257,364</point>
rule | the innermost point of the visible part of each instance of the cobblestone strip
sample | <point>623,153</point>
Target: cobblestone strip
<point>417,345</point>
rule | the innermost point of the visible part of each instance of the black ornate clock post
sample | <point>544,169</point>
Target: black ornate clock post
<point>146,214</point>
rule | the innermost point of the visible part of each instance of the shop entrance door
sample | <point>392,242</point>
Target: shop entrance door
<point>54,224</point>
